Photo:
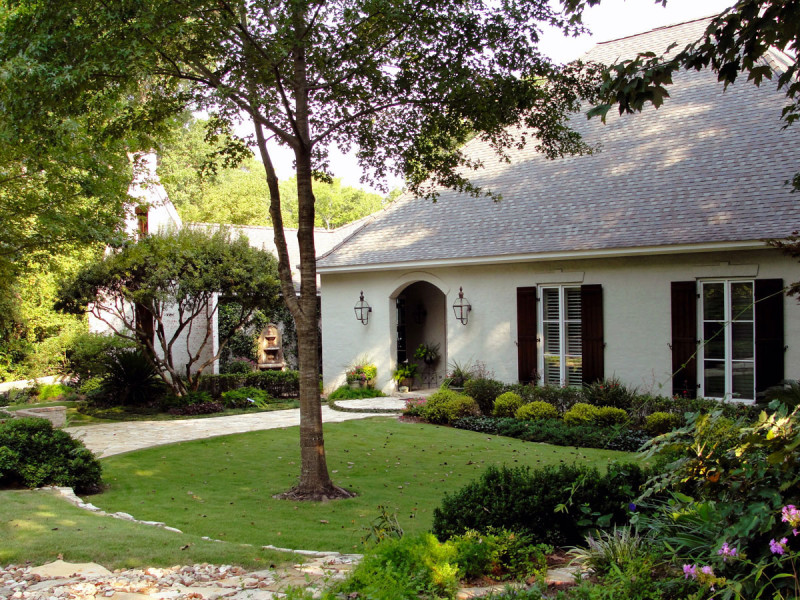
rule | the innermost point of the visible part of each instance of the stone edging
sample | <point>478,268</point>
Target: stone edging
<point>371,411</point>
<point>69,495</point>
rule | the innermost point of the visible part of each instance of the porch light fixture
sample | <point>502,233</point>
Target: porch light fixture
<point>461,307</point>
<point>362,310</point>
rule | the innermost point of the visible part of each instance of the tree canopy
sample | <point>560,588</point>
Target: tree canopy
<point>179,278</point>
<point>405,82</point>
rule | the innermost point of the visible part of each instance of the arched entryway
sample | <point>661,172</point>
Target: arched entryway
<point>420,319</point>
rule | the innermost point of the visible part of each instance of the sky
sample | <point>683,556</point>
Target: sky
<point>612,19</point>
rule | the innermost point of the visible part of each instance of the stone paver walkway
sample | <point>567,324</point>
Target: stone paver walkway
<point>116,438</point>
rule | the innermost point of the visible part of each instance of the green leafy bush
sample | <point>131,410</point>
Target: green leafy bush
<point>506,404</point>
<point>484,391</point>
<point>56,391</point>
<point>553,431</point>
<point>345,392</point>
<point>563,398</point>
<point>131,380</point>
<point>240,366</point>
<point>408,568</point>
<point>536,411</point>
<point>662,422</point>
<point>197,408</point>
<point>87,354</point>
<point>609,415</point>
<point>446,406</point>
<point>581,414</point>
<point>34,454</point>
<point>171,401</point>
<point>554,505</point>
<point>501,555</point>
<point>245,397</point>
<point>91,387</point>
<point>278,384</point>
<point>609,392</point>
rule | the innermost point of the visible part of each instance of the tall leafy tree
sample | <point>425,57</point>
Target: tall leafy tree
<point>406,81</point>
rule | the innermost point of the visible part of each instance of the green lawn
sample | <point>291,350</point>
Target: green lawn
<point>38,526</point>
<point>223,487</point>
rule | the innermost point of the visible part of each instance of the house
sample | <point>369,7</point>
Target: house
<point>645,261</point>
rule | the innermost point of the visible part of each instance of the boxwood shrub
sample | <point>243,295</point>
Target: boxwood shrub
<point>484,391</point>
<point>507,404</point>
<point>445,406</point>
<point>536,411</point>
<point>525,500</point>
<point>278,384</point>
<point>33,454</point>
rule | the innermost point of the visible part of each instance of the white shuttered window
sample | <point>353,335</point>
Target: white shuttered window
<point>560,316</point>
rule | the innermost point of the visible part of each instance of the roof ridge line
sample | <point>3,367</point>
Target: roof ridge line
<point>662,27</point>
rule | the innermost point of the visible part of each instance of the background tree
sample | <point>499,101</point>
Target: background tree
<point>407,82</point>
<point>181,277</point>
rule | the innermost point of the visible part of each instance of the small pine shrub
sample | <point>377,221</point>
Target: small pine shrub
<point>33,454</point>
<point>484,391</point>
<point>580,414</point>
<point>446,406</point>
<point>660,422</point>
<point>609,415</point>
<point>245,397</point>
<point>506,404</point>
<point>536,411</point>
<point>609,392</point>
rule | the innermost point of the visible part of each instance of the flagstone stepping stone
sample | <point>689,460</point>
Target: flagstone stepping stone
<point>59,568</point>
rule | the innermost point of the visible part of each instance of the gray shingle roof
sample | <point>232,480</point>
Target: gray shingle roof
<point>708,166</point>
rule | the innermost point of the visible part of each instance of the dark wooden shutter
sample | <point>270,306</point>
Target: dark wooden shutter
<point>592,343</point>
<point>684,338</point>
<point>769,333</point>
<point>526,334</point>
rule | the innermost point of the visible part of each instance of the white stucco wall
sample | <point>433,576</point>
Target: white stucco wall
<point>636,311</point>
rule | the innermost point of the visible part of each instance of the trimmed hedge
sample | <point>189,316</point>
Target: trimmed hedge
<point>505,405</point>
<point>525,500</point>
<point>536,411</point>
<point>278,384</point>
<point>33,454</point>
<point>558,433</point>
<point>445,406</point>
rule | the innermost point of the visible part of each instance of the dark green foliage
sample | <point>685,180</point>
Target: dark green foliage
<point>87,354</point>
<point>239,366</point>
<point>609,392</point>
<point>506,404</point>
<point>536,411</point>
<point>484,391</point>
<point>278,384</point>
<point>33,454</point>
<point>558,433</point>
<point>561,397</point>
<point>501,555</point>
<point>662,422</point>
<point>787,393</point>
<point>245,397</point>
<point>197,408</point>
<point>171,401</point>
<point>345,392</point>
<point>554,505</point>
<point>445,406</point>
<point>131,380</point>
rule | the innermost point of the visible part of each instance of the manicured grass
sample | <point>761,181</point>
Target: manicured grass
<point>118,413</point>
<point>38,526</point>
<point>223,487</point>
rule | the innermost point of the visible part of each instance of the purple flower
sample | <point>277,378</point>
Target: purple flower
<point>690,571</point>
<point>778,547</point>
<point>632,507</point>
<point>707,570</point>
<point>726,551</point>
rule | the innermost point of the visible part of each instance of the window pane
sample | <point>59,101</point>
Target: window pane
<point>573,299</point>
<point>550,299</point>
<point>742,340</point>
<point>552,338</point>
<point>552,370</point>
<point>742,299</point>
<point>714,301</point>
<point>574,370</point>
<point>744,380</point>
<point>574,339</point>
<point>714,379</point>
<point>714,339</point>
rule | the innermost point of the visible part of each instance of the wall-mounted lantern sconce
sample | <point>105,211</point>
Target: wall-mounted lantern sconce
<point>420,314</point>
<point>461,307</point>
<point>362,310</point>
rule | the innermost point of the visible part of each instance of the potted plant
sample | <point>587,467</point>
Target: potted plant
<point>427,353</point>
<point>359,376</point>
<point>404,375</point>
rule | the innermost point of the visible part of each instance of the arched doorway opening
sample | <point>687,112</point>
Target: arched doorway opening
<point>421,319</point>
